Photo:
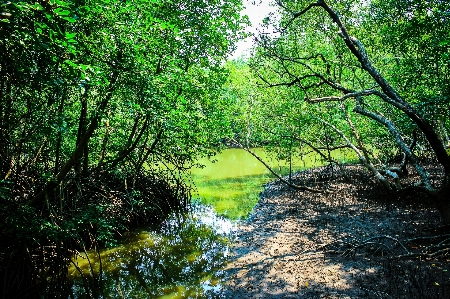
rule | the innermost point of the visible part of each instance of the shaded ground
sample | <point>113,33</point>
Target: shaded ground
<point>356,242</point>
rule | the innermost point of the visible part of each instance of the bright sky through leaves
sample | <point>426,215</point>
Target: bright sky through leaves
<point>256,10</point>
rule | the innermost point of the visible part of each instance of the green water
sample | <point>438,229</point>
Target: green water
<point>232,184</point>
<point>185,257</point>
<point>181,260</point>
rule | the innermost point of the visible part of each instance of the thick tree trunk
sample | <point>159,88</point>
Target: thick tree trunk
<point>389,95</point>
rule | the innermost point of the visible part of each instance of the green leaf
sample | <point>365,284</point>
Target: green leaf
<point>21,6</point>
<point>84,9</point>
<point>69,19</point>
<point>61,3</point>
<point>71,63</point>
<point>70,35</point>
<point>61,12</point>
<point>36,6</point>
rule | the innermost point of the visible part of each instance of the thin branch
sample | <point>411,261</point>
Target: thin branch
<point>300,13</point>
<point>301,188</point>
<point>344,97</point>
<point>362,157</point>
<point>328,158</point>
<point>399,140</point>
<point>390,94</point>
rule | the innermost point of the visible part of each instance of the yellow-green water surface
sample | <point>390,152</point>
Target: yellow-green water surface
<point>182,260</point>
<point>185,258</point>
<point>232,184</point>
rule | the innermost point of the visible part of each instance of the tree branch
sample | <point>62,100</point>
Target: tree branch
<point>301,188</point>
<point>299,13</point>
<point>344,97</point>
<point>362,157</point>
<point>76,155</point>
<point>399,140</point>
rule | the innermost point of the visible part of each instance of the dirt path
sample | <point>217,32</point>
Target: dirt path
<point>304,245</point>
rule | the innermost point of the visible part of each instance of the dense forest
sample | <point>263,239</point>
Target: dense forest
<point>371,77</point>
<point>106,105</point>
<point>94,97</point>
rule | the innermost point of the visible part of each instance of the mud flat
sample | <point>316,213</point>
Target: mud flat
<point>355,241</point>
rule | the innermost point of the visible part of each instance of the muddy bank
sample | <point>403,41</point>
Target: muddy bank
<point>354,242</point>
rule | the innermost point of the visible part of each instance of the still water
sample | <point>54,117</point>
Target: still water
<point>185,257</point>
<point>232,184</point>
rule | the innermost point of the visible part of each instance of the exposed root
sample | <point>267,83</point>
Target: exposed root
<point>388,246</point>
<point>360,242</point>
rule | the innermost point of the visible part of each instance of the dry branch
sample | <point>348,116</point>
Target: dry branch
<point>302,188</point>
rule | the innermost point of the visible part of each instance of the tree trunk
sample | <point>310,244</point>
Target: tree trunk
<point>5,129</point>
<point>2,129</point>
<point>77,154</point>
<point>391,95</point>
<point>59,134</point>
<point>82,129</point>
<point>105,139</point>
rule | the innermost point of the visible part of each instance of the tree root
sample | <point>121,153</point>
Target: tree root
<point>388,246</point>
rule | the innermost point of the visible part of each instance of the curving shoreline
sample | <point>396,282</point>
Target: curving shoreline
<point>293,245</point>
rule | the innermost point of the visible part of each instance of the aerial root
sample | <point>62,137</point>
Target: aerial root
<point>388,246</point>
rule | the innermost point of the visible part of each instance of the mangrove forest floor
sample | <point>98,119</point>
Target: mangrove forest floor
<point>356,241</point>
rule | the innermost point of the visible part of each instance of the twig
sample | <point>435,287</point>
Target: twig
<point>303,188</point>
<point>370,241</point>
<point>426,238</point>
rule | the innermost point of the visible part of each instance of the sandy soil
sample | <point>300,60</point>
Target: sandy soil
<point>349,243</point>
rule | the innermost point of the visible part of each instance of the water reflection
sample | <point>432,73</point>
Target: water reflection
<point>233,182</point>
<point>181,260</point>
<point>184,258</point>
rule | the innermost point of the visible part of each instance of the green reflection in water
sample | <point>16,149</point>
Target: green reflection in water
<point>232,184</point>
<point>184,260</point>
<point>179,261</point>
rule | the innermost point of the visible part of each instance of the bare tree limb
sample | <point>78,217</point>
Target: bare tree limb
<point>366,162</point>
<point>301,188</point>
<point>344,97</point>
<point>389,93</point>
<point>399,140</point>
<point>300,13</point>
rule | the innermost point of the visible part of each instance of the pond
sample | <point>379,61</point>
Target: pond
<point>233,182</point>
<point>184,258</point>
